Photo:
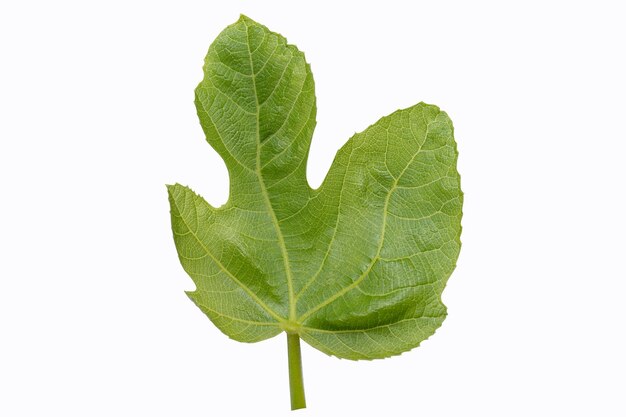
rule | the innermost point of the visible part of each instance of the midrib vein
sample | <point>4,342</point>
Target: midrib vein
<point>268,203</point>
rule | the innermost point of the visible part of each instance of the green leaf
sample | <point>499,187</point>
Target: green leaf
<point>356,267</point>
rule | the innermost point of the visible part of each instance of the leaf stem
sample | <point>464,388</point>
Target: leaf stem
<point>296,383</point>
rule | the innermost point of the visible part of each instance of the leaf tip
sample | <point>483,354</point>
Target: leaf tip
<point>244,19</point>
<point>170,188</point>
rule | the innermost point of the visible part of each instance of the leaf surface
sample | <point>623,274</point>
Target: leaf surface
<point>355,267</point>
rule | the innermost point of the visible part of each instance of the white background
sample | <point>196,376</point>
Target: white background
<point>96,115</point>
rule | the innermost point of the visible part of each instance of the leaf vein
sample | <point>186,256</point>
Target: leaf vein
<point>380,245</point>
<point>270,208</point>
<point>231,275</point>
